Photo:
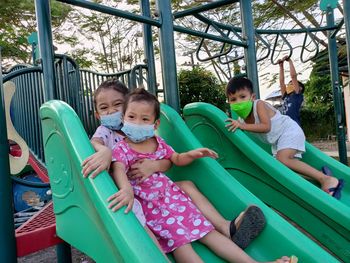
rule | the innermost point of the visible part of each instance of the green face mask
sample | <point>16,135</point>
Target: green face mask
<point>243,108</point>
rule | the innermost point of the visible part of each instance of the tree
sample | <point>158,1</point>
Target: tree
<point>199,84</point>
<point>17,21</point>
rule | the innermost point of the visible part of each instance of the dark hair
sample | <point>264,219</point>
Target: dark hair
<point>302,86</point>
<point>238,83</point>
<point>113,84</point>
<point>140,94</point>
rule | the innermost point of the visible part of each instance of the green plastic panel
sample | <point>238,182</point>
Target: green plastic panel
<point>82,216</point>
<point>84,220</point>
<point>250,162</point>
<point>230,197</point>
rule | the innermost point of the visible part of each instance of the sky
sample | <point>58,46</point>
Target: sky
<point>265,69</point>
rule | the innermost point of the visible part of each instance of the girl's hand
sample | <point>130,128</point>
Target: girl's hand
<point>233,124</point>
<point>202,152</point>
<point>124,196</point>
<point>142,169</point>
<point>98,162</point>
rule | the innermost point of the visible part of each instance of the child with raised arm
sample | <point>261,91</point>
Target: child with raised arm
<point>280,131</point>
<point>169,212</point>
<point>109,99</point>
<point>292,93</point>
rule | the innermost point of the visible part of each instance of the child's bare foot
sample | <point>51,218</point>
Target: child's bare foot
<point>330,184</point>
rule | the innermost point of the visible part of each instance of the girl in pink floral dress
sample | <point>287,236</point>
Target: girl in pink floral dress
<point>169,212</point>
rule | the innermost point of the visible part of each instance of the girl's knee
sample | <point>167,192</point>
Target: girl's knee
<point>284,157</point>
<point>186,254</point>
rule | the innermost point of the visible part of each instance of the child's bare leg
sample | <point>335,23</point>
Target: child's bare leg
<point>151,234</point>
<point>224,248</point>
<point>186,254</point>
<point>208,210</point>
<point>286,157</point>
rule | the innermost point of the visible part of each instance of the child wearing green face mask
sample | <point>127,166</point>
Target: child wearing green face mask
<point>284,135</point>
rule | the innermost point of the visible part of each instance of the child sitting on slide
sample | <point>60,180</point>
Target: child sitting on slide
<point>109,99</point>
<point>280,131</point>
<point>169,212</point>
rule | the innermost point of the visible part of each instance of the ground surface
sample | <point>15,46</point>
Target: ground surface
<point>49,255</point>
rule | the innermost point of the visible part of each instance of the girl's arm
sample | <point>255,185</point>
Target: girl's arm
<point>99,161</point>
<point>182,159</point>
<point>144,168</point>
<point>125,195</point>
<point>294,75</point>
<point>263,127</point>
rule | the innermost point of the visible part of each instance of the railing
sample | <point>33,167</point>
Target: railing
<point>74,86</point>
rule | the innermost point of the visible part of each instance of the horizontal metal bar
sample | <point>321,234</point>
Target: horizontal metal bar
<point>270,31</point>
<point>295,31</point>
<point>20,72</point>
<point>113,11</point>
<point>209,36</point>
<point>106,74</point>
<point>202,8</point>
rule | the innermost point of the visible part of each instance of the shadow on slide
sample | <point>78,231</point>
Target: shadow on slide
<point>84,220</point>
<point>251,163</point>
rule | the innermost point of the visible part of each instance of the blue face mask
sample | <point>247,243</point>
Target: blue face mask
<point>138,133</point>
<point>112,121</point>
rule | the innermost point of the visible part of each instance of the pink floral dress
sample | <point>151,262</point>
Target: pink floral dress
<point>110,138</point>
<point>169,212</point>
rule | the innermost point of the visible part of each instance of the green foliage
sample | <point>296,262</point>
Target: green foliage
<point>318,113</point>
<point>318,94</point>
<point>199,84</point>
<point>17,21</point>
<point>317,124</point>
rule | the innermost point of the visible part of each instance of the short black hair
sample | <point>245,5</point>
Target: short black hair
<point>113,84</point>
<point>302,86</point>
<point>140,94</point>
<point>238,83</point>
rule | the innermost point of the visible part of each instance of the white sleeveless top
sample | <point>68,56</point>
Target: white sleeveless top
<point>284,133</point>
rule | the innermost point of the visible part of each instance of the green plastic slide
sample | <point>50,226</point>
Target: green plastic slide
<point>251,163</point>
<point>84,220</point>
<point>82,216</point>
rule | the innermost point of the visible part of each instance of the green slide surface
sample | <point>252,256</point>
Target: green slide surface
<point>251,163</point>
<point>84,220</point>
<point>82,216</point>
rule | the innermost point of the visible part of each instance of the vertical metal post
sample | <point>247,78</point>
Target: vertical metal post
<point>8,251</point>
<point>148,47</point>
<point>346,7</point>
<point>337,93</point>
<point>167,54</point>
<point>248,33</point>
<point>43,16</point>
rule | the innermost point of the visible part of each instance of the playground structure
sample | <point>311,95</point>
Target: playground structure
<point>59,77</point>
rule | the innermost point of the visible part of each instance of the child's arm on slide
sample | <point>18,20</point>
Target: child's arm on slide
<point>182,159</point>
<point>125,195</point>
<point>99,161</point>
<point>144,168</point>
<point>263,127</point>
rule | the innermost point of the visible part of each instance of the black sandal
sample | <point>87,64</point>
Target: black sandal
<point>252,224</point>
